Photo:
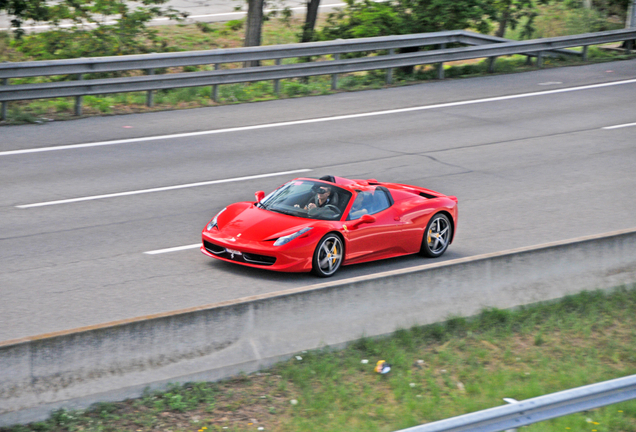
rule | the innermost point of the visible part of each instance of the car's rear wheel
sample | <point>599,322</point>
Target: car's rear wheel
<point>437,236</point>
<point>328,255</point>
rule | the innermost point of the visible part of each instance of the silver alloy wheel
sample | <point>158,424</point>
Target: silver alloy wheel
<point>328,255</point>
<point>437,236</point>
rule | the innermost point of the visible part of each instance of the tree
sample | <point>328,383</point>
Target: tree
<point>253,26</point>
<point>310,21</point>
<point>508,13</point>
<point>368,18</point>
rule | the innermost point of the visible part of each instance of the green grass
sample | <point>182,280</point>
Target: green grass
<point>438,371</point>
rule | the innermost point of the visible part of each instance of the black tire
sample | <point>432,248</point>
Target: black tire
<point>437,236</point>
<point>328,255</point>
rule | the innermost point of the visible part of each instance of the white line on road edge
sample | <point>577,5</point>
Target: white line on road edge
<point>159,189</point>
<point>319,120</point>
<point>173,249</point>
<point>620,126</point>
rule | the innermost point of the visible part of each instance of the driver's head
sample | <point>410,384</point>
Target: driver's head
<point>323,192</point>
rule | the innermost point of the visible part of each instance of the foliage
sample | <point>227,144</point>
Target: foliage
<point>566,18</point>
<point>607,7</point>
<point>368,18</point>
<point>509,13</point>
<point>89,33</point>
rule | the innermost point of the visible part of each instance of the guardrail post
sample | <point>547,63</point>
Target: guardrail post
<point>149,95</point>
<point>440,66</point>
<point>491,64</point>
<point>78,99</point>
<point>3,114</point>
<point>629,46</point>
<point>215,87</point>
<point>334,77</point>
<point>584,54</point>
<point>540,59</point>
<point>389,71</point>
<point>277,81</point>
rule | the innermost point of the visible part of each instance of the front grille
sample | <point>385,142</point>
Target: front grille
<point>258,259</point>
<point>213,248</point>
<point>249,258</point>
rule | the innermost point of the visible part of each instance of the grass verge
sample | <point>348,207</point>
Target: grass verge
<point>438,371</point>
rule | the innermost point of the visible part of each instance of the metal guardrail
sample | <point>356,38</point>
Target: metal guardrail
<point>483,46</point>
<point>537,409</point>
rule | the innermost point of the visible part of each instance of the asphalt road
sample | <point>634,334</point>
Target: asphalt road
<point>528,168</point>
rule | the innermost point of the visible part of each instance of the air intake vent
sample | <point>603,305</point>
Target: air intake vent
<point>425,195</point>
<point>213,248</point>
<point>258,259</point>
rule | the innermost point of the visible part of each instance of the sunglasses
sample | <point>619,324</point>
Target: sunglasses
<point>322,191</point>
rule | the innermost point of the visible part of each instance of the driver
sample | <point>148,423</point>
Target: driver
<point>320,199</point>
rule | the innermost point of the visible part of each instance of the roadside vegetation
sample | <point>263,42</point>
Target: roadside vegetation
<point>519,19</point>
<point>438,371</point>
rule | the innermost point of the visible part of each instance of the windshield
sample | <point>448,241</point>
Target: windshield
<point>308,199</point>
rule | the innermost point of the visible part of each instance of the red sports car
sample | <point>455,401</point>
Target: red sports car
<point>319,224</point>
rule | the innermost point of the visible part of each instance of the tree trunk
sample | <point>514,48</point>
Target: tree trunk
<point>310,21</point>
<point>630,22</point>
<point>253,27</point>
<point>503,23</point>
<point>408,70</point>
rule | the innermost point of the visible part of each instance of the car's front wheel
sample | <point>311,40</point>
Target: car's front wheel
<point>437,236</point>
<point>328,255</point>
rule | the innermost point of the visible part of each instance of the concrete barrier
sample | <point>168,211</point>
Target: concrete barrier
<point>113,361</point>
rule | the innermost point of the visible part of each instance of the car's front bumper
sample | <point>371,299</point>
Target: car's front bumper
<point>295,257</point>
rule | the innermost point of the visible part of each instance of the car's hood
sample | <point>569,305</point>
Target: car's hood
<point>250,223</point>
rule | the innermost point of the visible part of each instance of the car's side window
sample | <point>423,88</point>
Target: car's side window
<point>369,203</point>
<point>380,201</point>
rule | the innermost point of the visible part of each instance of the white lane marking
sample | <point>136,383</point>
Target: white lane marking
<point>159,189</point>
<point>620,126</point>
<point>550,83</point>
<point>319,120</point>
<point>173,249</point>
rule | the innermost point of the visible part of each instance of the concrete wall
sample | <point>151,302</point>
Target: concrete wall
<point>117,360</point>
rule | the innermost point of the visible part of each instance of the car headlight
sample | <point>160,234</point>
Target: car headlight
<point>213,223</point>
<point>286,239</point>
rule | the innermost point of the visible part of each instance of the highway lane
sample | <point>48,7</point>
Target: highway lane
<point>527,171</point>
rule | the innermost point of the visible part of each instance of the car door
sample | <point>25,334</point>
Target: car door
<point>378,239</point>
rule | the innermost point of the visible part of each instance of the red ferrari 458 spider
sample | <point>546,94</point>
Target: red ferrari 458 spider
<point>318,225</point>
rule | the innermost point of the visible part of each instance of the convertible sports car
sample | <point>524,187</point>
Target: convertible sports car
<point>318,225</point>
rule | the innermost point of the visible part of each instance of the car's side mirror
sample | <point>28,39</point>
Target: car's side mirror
<point>366,218</point>
<point>259,196</point>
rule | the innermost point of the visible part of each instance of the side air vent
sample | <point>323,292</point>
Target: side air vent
<point>429,196</point>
